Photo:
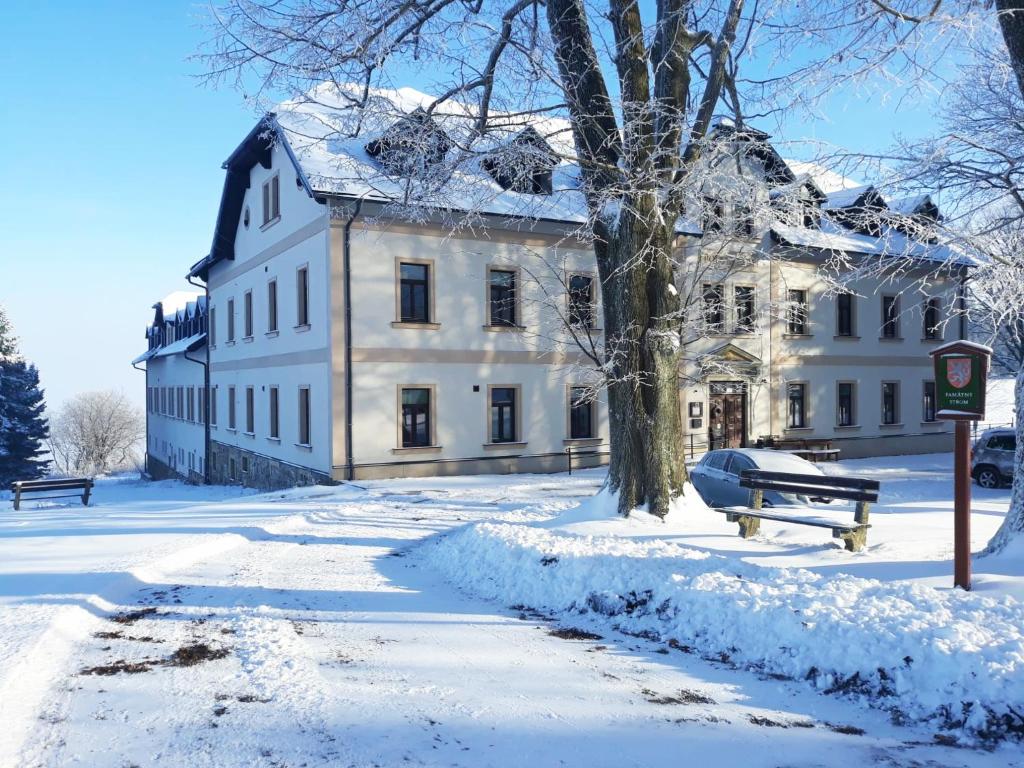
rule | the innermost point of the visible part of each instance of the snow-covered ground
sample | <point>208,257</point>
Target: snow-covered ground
<point>179,626</point>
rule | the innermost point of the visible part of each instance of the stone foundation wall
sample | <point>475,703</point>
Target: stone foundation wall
<point>498,465</point>
<point>158,470</point>
<point>896,445</point>
<point>231,465</point>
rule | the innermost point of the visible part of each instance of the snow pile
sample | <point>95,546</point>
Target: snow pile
<point>948,657</point>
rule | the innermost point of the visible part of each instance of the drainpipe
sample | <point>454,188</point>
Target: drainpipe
<point>206,384</point>
<point>146,372</point>
<point>346,260</point>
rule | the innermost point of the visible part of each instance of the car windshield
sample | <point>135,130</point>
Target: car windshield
<point>1006,442</point>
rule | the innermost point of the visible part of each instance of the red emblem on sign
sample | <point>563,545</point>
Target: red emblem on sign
<point>958,372</point>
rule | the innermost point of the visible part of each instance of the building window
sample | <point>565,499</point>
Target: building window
<point>414,291</point>
<point>932,329</point>
<point>890,317</point>
<point>191,404</point>
<point>846,408</point>
<point>503,415</point>
<point>231,407</point>
<point>502,296</point>
<point>711,215</point>
<point>302,296</point>
<point>250,416</point>
<point>797,395</point>
<point>796,312</point>
<point>272,306</point>
<point>743,296</point>
<point>245,465</point>
<point>275,414</point>
<point>304,422</point>
<point>581,414</point>
<point>232,472</point>
<point>231,320</point>
<point>928,402</point>
<point>247,309</point>
<point>581,301</point>
<point>744,220</point>
<point>844,314</point>
<point>213,327</point>
<point>890,402</point>
<point>714,302</point>
<point>201,401</point>
<point>271,199</point>
<point>181,403</point>
<point>416,417</point>
<point>213,406</point>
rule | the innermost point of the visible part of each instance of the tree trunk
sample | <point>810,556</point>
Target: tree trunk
<point>1013,525</point>
<point>642,341</point>
<point>1011,22</point>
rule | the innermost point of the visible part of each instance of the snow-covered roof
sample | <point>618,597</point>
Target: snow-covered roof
<point>892,242</point>
<point>844,198</point>
<point>179,300</point>
<point>909,205</point>
<point>180,346</point>
<point>145,356</point>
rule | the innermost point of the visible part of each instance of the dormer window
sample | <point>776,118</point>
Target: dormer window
<point>524,164</point>
<point>411,146</point>
<point>271,199</point>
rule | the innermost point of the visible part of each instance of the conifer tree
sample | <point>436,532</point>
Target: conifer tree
<point>23,427</point>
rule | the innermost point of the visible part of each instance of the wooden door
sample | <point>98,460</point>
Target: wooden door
<point>728,420</point>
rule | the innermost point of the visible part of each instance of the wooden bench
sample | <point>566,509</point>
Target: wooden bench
<point>861,490</point>
<point>57,489</point>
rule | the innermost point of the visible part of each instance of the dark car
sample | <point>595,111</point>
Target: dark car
<point>992,459</point>
<point>717,476</point>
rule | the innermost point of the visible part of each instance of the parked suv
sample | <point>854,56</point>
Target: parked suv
<point>992,461</point>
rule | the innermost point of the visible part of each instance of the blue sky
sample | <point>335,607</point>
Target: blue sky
<point>112,174</point>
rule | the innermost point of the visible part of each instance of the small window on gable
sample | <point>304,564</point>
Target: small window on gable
<point>245,217</point>
<point>271,199</point>
<point>525,164</point>
<point>411,146</point>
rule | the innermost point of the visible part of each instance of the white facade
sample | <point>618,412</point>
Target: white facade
<point>320,371</point>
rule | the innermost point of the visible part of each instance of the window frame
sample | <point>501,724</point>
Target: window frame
<point>430,322</point>
<point>271,201</point>
<point>895,385</point>
<point>302,317</point>
<point>250,410</point>
<point>305,420</point>
<point>232,408</point>
<point>572,307</point>
<point>714,317</point>
<point>798,312</point>
<point>247,316</point>
<point>804,412</point>
<point>853,404</point>
<point>231,320</point>
<point>274,413</point>
<point>931,331</point>
<point>272,320</point>
<point>742,325</point>
<point>515,320</point>
<point>851,315</point>
<point>431,414</point>
<point>571,407</point>
<point>517,415</point>
<point>925,407</point>
<point>890,329</point>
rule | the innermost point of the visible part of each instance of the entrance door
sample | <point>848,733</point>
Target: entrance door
<point>728,415</point>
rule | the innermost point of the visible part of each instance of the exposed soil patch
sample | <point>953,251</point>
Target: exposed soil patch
<point>130,617</point>
<point>119,635</point>
<point>107,635</point>
<point>766,722</point>
<point>120,667</point>
<point>572,633</point>
<point>249,698</point>
<point>673,643</point>
<point>683,697</point>
<point>197,653</point>
<point>850,730</point>
<point>220,711</point>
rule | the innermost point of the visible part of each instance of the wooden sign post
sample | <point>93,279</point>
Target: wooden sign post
<point>961,373</point>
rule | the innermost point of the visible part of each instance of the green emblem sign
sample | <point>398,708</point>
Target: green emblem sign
<point>961,369</point>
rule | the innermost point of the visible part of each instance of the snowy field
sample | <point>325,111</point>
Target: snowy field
<point>447,622</point>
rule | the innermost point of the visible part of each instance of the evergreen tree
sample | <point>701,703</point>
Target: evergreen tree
<point>23,427</point>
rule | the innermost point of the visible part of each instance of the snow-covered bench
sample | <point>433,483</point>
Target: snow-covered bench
<point>56,489</point>
<point>858,489</point>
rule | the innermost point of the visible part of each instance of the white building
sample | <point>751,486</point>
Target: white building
<point>175,367</point>
<point>347,343</point>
